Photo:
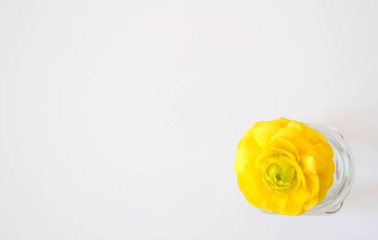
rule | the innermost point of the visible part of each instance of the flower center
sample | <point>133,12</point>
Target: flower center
<point>279,174</point>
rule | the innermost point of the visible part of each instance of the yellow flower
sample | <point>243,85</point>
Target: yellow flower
<point>284,166</point>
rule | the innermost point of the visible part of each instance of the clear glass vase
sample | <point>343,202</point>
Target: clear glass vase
<point>343,176</point>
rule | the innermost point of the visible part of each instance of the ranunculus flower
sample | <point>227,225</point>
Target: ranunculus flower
<point>284,166</point>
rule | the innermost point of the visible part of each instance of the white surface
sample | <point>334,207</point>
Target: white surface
<point>120,120</point>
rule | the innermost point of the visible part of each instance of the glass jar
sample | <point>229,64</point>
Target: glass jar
<point>343,176</point>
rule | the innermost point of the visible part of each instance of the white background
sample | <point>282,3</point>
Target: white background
<point>120,119</point>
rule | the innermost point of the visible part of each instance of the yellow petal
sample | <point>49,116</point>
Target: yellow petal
<point>282,144</point>
<point>263,131</point>
<point>246,154</point>
<point>308,164</point>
